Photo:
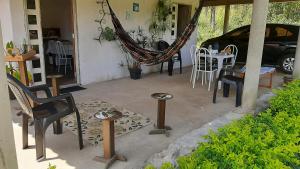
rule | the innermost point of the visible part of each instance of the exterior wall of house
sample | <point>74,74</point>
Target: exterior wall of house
<point>100,62</point>
<point>97,62</point>
<point>13,21</point>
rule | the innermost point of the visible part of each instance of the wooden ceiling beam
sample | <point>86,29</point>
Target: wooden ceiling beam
<point>235,2</point>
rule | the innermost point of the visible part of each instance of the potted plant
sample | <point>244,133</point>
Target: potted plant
<point>133,66</point>
<point>159,23</point>
<point>135,70</point>
<point>15,73</point>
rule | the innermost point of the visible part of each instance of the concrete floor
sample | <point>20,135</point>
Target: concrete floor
<point>190,109</point>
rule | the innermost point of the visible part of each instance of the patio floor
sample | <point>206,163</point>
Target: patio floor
<point>190,109</point>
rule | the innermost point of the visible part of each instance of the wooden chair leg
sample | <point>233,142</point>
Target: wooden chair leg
<point>25,118</point>
<point>79,130</point>
<point>226,88</point>
<point>39,140</point>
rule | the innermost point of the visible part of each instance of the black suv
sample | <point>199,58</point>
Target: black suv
<point>279,49</point>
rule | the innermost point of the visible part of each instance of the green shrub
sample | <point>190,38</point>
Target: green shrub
<point>167,166</point>
<point>51,166</point>
<point>270,140</point>
<point>287,99</point>
<point>262,142</point>
<point>150,167</point>
<point>164,166</point>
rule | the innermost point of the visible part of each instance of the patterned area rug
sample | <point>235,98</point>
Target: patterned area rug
<point>92,127</point>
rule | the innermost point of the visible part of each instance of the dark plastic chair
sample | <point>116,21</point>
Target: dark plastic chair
<point>163,45</point>
<point>46,111</point>
<point>227,80</point>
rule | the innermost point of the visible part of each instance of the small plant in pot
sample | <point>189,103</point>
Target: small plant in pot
<point>133,66</point>
<point>135,71</point>
<point>15,73</point>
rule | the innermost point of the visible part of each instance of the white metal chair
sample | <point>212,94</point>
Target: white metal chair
<point>234,51</point>
<point>204,64</point>
<point>61,58</point>
<point>193,51</point>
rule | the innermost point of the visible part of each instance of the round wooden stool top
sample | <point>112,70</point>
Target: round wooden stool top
<point>162,96</point>
<point>109,115</point>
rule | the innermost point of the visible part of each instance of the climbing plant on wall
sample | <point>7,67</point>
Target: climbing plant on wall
<point>105,32</point>
<point>159,23</point>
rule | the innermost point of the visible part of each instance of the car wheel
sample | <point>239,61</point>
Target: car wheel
<point>287,63</point>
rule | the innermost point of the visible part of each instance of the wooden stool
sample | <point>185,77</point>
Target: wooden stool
<point>160,127</point>
<point>57,126</point>
<point>55,84</point>
<point>108,130</point>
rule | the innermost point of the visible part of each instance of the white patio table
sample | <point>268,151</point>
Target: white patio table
<point>220,57</point>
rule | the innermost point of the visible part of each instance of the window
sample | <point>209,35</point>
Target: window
<point>282,32</point>
<point>268,32</point>
<point>30,4</point>
<point>237,33</point>
<point>32,20</point>
<point>240,32</point>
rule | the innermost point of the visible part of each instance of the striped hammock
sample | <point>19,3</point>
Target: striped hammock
<point>149,57</point>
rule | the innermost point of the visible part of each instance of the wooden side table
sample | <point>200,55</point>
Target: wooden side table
<point>57,126</point>
<point>160,127</point>
<point>266,73</point>
<point>21,60</point>
<point>108,130</point>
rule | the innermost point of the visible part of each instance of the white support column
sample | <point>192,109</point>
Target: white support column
<point>255,51</point>
<point>8,158</point>
<point>226,19</point>
<point>297,61</point>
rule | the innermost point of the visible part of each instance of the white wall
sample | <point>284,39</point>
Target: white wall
<point>18,21</point>
<point>100,62</point>
<point>97,62</point>
<point>13,25</point>
<point>6,22</point>
<point>57,14</point>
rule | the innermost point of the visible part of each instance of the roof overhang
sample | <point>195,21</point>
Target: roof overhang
<point>235,2</point>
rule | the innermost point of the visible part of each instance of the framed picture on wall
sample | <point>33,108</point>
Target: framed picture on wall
<point>136,7</point>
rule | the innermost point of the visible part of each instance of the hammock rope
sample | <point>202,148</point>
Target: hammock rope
<point>149,57</point>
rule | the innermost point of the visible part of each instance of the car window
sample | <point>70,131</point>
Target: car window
<point>245,34</point>
<point>288,34</point>
<point>268,32</point>
<point>282,32</point>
